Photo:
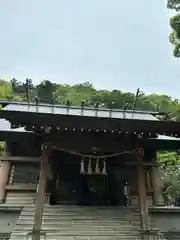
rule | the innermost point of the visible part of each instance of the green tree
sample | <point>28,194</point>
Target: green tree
<point>5,90</point>
<point>45,91</point>
<point>170,166</point>
<point>1,148</point>
<point>175,25</point>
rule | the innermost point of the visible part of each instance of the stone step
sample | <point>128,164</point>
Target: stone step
<point>74,206</point>
<point>115,213</point>
<point>80,227</point>
<point>86,212</point>
<point>76,216</point>
<point>76,237</point>
<point>80,233</point>
<point>75,233</point>
<point>122,237</point>
<point>24,212</point>
<point>84,208</point>
<point>82,223</point>
<point>79,219</point>
<point>85,236</point>
<point>63,214</point>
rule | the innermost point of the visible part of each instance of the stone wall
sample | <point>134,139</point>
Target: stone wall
<point>8,220</point>
<point>135,200</point>
<point>167,220</point>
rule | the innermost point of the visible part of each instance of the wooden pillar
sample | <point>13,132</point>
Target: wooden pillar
<point>142,193</point>
<point>49,179</point>
<point>4,174</point>
<point>40,193</point>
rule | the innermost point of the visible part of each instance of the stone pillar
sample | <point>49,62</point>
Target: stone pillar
<point>4,174</point>
<point>157,184</point>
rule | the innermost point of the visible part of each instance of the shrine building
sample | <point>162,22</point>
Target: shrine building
<point>61,154</point>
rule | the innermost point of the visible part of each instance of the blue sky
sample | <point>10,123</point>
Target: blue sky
<point>114,44</point>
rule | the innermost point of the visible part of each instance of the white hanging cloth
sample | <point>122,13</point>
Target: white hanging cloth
<point>89,167</point>
<point>82,171</point>
<point>104,171</point>
<point>97,169</point>
<point>148,179</point>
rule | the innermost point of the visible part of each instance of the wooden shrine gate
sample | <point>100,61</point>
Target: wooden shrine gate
<point>44,175</point>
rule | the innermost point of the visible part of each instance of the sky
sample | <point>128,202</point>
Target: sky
<point>114,44</point>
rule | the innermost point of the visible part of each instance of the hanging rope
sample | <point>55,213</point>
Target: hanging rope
<point>93,156</point>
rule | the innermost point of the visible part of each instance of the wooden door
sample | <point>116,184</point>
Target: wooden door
<point>98,189</point>
<point>67,184</point>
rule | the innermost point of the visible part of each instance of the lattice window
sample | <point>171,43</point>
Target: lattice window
<point>25,173</point>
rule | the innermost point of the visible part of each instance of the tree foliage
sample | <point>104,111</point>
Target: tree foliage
<point>47,90</point>
<point>86,92</point>
<point>170,167</point>
<point>175,25</point>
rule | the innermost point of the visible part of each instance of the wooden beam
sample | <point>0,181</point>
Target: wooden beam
<point>142,192</point>
<point>40,194</point>
<point>145,164</point>
<point>19,159</point>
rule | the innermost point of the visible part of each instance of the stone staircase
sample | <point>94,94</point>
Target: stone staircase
<point>82,223</point>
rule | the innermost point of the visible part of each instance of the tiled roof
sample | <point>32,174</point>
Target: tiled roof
<point>75,111</point>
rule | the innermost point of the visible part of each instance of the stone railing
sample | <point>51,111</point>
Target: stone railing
<point>4,236</point>
<point>47,197</point>
<point>151,235</point>
<point>172,234</point>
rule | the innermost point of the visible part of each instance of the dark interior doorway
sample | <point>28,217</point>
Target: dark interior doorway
<point>70,187</point>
